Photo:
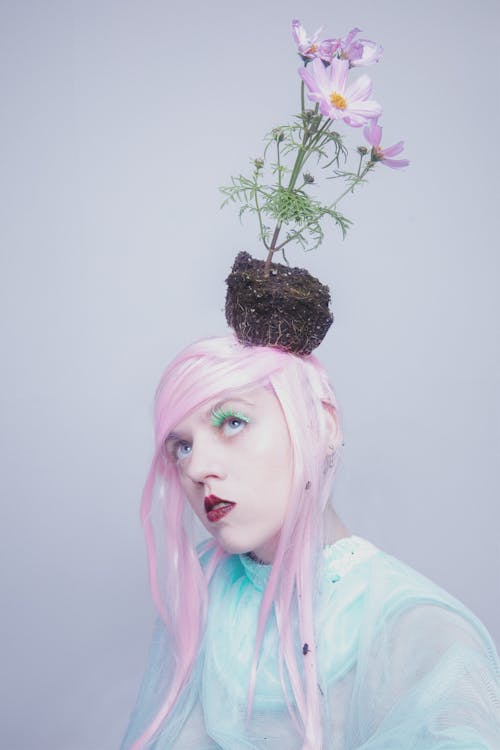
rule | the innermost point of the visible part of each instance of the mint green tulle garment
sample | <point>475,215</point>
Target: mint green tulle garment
<point>402,665</point>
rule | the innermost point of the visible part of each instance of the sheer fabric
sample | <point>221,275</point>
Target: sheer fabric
<point>402,665</point>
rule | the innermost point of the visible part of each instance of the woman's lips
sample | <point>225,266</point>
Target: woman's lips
<point>216,508</point>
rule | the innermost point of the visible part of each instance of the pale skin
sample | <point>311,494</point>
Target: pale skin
<point>236,455</point>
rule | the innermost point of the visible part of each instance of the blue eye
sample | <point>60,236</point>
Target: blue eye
<point>229,420</point>
<point>181,449</point>
<point>232,425</point>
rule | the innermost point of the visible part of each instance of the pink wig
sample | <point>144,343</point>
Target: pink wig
<point>216,368</point>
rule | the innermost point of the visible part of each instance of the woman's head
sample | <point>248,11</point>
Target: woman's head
<point>233,457</point>
<point>249,427</point>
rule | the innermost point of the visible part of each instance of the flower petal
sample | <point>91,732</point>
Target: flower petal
<point>354,121</point>
<point>373,133</point>
<point>338,75</point>
<point>327,48</point>
<point>311,80</point>
<point>372,52</point>
<point>354,52</point>
<point>347,41</point>
<point>316,34</point>
<point>322,76</point>
<point>395,163</point>
<point>394,150</point>
<point>359,89</point>
<point>303,42</point>
<point>314,93</point>
<point>368,108</point>
<point>298,32</point>
<point>327,110</point>
<point>308,78</point>
<point>358,113</point>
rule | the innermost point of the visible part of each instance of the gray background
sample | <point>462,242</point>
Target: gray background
<point>119,120</point>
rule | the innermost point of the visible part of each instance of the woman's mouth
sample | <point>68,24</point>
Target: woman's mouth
<point>216,508</point>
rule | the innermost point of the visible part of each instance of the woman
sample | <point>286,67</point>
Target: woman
<point>283,631</point>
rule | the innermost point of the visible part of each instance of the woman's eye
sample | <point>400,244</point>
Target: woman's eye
<point>229,421</point>
<point>181,450</point>
<point>231,425</point>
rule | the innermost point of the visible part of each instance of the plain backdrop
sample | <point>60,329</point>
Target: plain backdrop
<point>119,121</point>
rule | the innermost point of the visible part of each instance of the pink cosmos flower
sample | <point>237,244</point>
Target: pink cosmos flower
<point>311,47</point>
<point>360,51</point>
<point>373,134</point>
<point>337,100</point>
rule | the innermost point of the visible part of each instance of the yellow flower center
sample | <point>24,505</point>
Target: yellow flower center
<point>338,100</point>
<point>312,49</point>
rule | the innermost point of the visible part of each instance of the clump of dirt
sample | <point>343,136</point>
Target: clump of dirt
<point>288,309</point>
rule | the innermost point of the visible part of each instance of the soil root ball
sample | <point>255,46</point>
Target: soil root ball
<point>289,309</point>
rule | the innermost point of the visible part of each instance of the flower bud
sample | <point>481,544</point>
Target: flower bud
<point>258,163</point>
<point>278,135</point>
<point>308,178</point>
<point>315,121</point>
<point>362,150</point>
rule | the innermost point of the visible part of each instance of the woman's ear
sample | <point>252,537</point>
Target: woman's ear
<point>333,427</point>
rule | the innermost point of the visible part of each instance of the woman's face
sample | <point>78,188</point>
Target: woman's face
<point>234,464</point>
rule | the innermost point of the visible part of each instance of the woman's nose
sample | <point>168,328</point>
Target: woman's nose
<point>206,461</point>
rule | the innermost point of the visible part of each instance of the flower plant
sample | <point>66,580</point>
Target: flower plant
<point>280,190</point>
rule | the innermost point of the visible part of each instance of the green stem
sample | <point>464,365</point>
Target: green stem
<point>291,185</point>
<point>301,158</point>
<point>259,215</point>
<point>307,148</point>
<point>279,161</point>
<point>298,162</point>
<point>271,249</point>
<point>350,189</point>
<point>360,163</point>
<point>292,237</point>
<point>309,142</point>
<point>314,142</point>
<point>321,131</point>
<point>300,155</point>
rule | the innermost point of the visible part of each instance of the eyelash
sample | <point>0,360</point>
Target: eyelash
<point>219,416</point>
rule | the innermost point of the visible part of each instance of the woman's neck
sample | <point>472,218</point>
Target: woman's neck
<point>334,529</point>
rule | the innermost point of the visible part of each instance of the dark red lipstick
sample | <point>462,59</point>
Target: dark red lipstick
<point>216,508</point>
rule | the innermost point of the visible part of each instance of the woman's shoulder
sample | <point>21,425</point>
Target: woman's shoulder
<point>356,562</point>
<point>370,597</point>
<point>383,589</point>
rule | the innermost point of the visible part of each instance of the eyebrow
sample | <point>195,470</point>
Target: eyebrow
<point>172,436</point>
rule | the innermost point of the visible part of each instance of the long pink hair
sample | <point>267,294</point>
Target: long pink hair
<point>206,370</point>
